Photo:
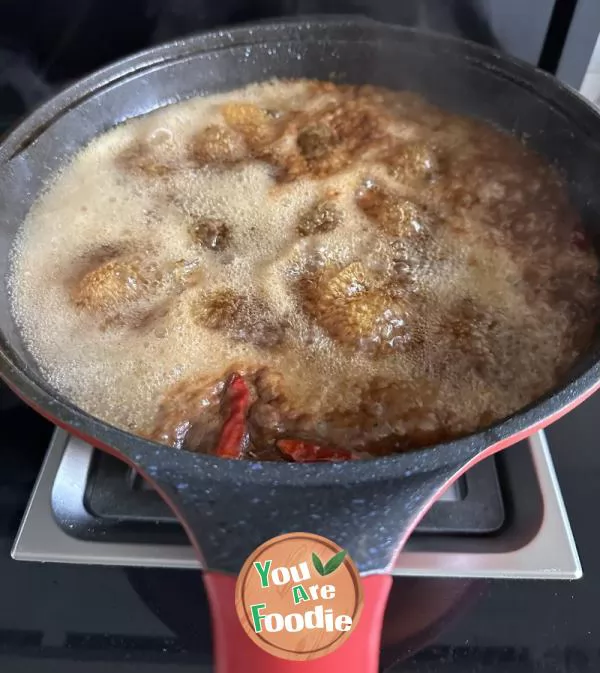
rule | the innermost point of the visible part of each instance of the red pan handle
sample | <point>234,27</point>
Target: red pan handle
<point>233,651</point>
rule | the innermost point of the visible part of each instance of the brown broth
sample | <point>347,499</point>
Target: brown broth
<point>385,274</point>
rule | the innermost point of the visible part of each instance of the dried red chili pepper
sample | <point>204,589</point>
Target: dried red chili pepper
<point>234,435</point>
<point>305,452</point>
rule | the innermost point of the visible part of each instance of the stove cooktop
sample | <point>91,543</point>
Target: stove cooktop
<point>504,519</point>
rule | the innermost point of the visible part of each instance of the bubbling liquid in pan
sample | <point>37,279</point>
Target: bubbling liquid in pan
<point>304,271</point>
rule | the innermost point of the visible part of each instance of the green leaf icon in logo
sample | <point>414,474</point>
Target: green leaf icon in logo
<point>335,562</point>
<point>317,564</point>
<point>331,566</point>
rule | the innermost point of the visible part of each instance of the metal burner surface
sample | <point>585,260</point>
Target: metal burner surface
<point>504,519</point>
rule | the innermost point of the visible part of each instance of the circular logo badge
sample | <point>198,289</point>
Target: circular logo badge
<point>299,596</point>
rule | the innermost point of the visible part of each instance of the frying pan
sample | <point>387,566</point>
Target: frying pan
<point>369,507</point>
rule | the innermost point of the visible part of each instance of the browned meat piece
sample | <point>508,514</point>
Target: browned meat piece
<point>411,163</point>
<point>393,214</point>
<point>219,309</point>
<point>217,145</point>
<point>124,286</point>
<point>416,260</point>
<point>416,251</point>
<point>210,233</point>
<point>255,124</point>
<point>243,318</point>
<point>196,413</point>
<point>192,414</point>
<point>269,384</point>
<point>111,288</point>
<point>272,416</point>
<point>324,216</point>
<point>355,309</point>
<point>390,417</point>
<point>333,138</point>
<point>189,408</point>
<point>146,159</point>
<point>316,141</point>
<point>350,127</point>
<point>183,273</point>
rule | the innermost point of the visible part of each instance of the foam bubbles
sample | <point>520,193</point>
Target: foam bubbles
<point>119,371</point>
